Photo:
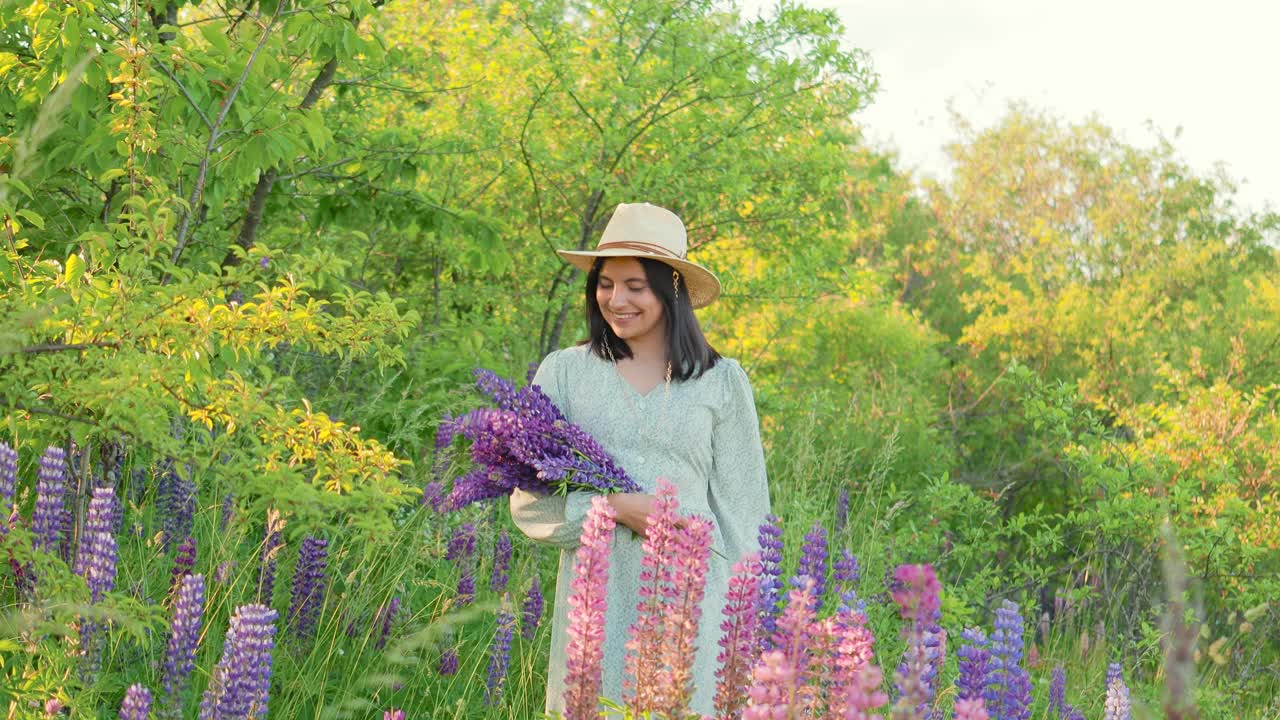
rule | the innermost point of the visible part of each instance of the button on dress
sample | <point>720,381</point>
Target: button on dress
<point>708,447</point>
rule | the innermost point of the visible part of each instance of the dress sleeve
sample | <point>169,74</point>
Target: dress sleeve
<point>738,493</point>
<point>551,519</point>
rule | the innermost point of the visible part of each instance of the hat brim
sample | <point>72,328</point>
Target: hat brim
<point>703,285</point>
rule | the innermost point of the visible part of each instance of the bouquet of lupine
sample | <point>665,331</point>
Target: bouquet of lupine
<point>525,442</point>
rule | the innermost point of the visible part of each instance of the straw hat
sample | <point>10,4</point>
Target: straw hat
<point>641,230</point>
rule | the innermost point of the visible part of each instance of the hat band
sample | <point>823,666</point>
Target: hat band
<point>642,246</point>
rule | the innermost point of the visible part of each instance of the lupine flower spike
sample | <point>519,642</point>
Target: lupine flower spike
<point>813,562</point>
<point>738,641</point>
<point>184,635</point>
<point>46,520</point>
<point>587,603</point>
<point>1008,692</point>
<point>137,703</point>
<point>915,590</point>
<point>770,537</point>
<point>308,586</point>
<point>500,655</point>
<point>240,682</point>
<point>8,484</point>
<point>532,610</point>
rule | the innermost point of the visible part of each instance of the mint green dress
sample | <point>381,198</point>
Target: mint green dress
<point>709,447</point>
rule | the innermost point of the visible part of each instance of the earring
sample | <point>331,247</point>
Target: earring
<point>675,281</point>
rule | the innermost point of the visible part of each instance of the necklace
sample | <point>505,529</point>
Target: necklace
<point>666,395</point>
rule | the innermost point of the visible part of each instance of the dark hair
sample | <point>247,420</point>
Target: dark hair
<point>691,354</point>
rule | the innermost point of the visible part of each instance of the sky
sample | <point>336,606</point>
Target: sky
<point>1209,71</point>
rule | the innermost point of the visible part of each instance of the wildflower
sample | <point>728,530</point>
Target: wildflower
<point>532,610</point>
<point>308,586</point>
<point>46,520</point>
<point>53,706</point>
<point>738,641</point>
<point>184,635</point>
<point>845,572</point>
<point>228,507</point>
<point>971,709</point>
<point>501,563</point>
<point>851,655</point>
<point>813,562</point>
<point>1116,706</point>
<point>96,559</point>
<point>1058,690</point>
<point>864,695</point>
<point>916,590</point>
<point>793,637</point>
<point>692,548</point>
<point>8,484</point>
<point>386,616</point>
<point>773,688</point>
<point>526,442</point>
<point>975,662</point>
<point>183,562</point>
<point>393,714</point>
<point>1008,691</point>
<point>448,664</point>
<point>137,703</point>
<point>240,682</point>
<point>462,544</point>
<point>770,538</point>
<point>499,656</point>
<point>587,604</point>
<point>842,509</point>
<point>433,495</point>
<point>176,504</point>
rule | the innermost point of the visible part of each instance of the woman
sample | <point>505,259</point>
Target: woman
<point>648,386</point>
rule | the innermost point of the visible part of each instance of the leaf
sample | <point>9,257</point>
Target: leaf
<point>32,217</point>
<point>74,269</point>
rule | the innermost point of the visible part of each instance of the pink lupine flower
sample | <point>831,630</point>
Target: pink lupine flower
<point>772,695</point>
<point>794,635</point>
<point>692,545</point>
<point>586,612</point>
<point>852,652</point>
<point>643,682</point>
<point>971,709</point>
<point>736,644</point>
<point>916,592</point>
<point>864,694</point>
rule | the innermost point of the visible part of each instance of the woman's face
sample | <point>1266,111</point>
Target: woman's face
<point>627,302</point>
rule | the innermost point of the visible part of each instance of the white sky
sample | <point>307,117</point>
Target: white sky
<point>1209,68</point>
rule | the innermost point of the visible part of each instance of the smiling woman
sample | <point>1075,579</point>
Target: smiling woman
<point>661,401</point>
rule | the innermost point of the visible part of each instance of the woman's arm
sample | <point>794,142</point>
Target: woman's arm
<point>738,493</point>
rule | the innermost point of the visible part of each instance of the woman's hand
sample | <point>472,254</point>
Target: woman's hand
<point>633,510</point>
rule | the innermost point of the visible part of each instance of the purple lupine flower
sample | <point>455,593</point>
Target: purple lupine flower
<point>501,563</point>
<point>137,703</point>
<point>466,592</point>
<point>183,562</point>
<point>1008,691</point>
<point>531,373</point>
<point>1058,692</point>
<point>176,503</point>
<point>386,616</point>
<point>96,560</point>
<point>449,662</point>
<point>184,636</point>
<point>8,484</point>
<point>47,520</point>
<point>462,544</point>
<point>1115,673</point>
<point>240,682</point>
<point>532,610</point>
<point>228,508</point>
<point>813,562</point>
<point>308,586</point>
<point>433,495</point>
<point>272,544</point>
<point>770,538</point>
<point>526,442</point>
<point>842,509</point>
<point>499,657</point>
<point>845,573</point>
<point>975,661</point>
